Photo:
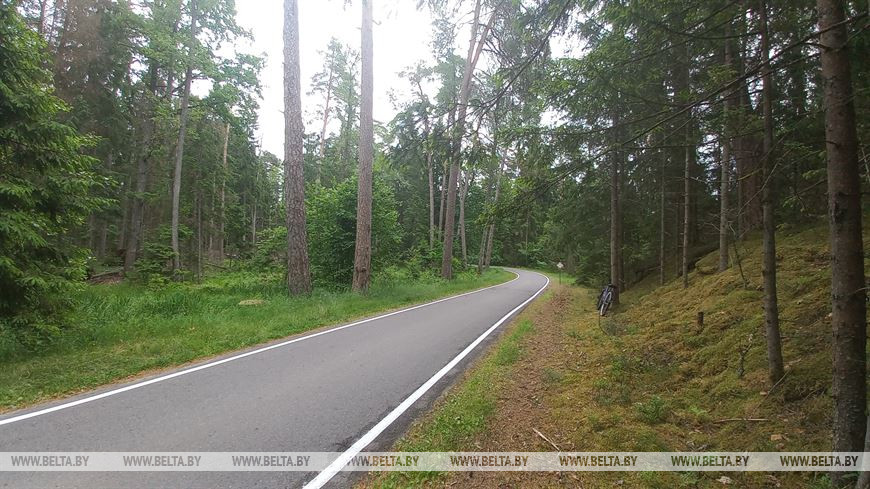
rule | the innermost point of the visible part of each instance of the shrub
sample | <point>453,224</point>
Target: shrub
<point>655,410</point>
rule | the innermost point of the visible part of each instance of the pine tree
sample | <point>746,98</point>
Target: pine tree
<point>363,255</point>
<point>298,276</point>
<point>45,187</point>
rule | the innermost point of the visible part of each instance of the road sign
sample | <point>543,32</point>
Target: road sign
<point>559,265</point>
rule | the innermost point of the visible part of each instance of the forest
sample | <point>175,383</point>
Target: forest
<point>625,140</point>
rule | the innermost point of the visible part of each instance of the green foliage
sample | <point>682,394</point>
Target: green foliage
<point>332,236</point>
<point>45,181</point>
<point>332,230</point>
<point>653,411</point>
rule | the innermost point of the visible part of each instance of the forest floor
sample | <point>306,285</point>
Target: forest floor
<point>121,331</point>
<point>648,378</point>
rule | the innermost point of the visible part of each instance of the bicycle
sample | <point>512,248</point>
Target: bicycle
<point>605,300</point>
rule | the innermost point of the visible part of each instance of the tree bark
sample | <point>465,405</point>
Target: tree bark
<point>182,132</point>
<point>768,265</point>
<point>725,164</point>
<point>678,263</point>
<point>198,206</point>
<point>298,273</point>
<point>724,169</point>
<point>662,225</point>
<point>40,28</point>
<point>124,224</point>
<point>363,253</point>
<point>481,254</point>
<point>687,201</point>
<point>462,196</point>
<point>254,200</point>
<point>746,147</point>
<point>445,175</point>
<point>475,46</point>
<point>682,97</point>
<point>429,170</point>
<point>615,218</point>
<point>222,238</point>
<point>490,232</point>
<point>848,293</point>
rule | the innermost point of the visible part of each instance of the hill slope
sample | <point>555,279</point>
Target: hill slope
<point>649,378</point>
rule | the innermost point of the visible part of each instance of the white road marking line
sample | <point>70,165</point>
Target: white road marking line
<point>333,468</point>
<point>204,366</point>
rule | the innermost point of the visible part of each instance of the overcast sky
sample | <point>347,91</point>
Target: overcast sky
<point>401,37</point>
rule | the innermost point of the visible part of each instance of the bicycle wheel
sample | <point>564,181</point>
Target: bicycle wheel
<point>605,303</point>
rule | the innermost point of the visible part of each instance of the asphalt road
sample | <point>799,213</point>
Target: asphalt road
<point>324,392</point>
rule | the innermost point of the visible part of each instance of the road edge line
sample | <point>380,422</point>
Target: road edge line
<point>327,474</point>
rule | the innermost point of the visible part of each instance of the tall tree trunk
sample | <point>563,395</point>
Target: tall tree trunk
<point>768,265</point>
<point>198,206</point>
<point>481,254</point>
<point>182,132</point>
<point>445,176</point>
<point>429,171</point>
<point>137,212</point>
<point>462,196</point>
<point>363,254</point>
<point>678,263</point>
<point>212,235</point>
<point>254,224</point>
<point>222,238</point>
<point>848,293</point>
<point>298,273</point>
<point>490,232</point>
<point>40,28</point>
<point>615,217</point>
<point>255,198</point>
<point>662,225</point>
<point>682,96</point>
<point>725,164</point>
<point>724,184</point>
<point>475,46</point>
<point>123,225</point>
<point>687,199</point>
<point>746,146</point>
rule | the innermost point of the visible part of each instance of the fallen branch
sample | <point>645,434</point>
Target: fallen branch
<point>739,419</point>
<point>547,439</point>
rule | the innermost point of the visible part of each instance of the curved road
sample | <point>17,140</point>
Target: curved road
<point>344,388</point>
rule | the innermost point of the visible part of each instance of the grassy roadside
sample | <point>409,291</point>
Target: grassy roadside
<point>124,330</point>
<point>465,411</point>
<point>649,378</point>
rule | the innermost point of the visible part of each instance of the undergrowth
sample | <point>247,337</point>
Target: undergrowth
<point>122,330</point>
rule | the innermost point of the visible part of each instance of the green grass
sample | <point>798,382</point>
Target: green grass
<point>123,330</point>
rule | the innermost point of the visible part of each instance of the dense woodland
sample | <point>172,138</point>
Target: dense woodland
<point>668,130</point>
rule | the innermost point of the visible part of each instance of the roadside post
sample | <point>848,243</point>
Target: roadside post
<point>559,266</point>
